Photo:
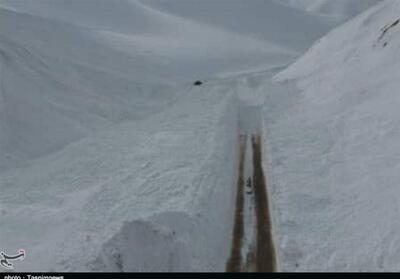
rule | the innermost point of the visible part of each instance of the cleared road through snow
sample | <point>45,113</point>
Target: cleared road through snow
<point>252,243</point>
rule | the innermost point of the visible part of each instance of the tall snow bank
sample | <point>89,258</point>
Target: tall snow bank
<point>156,194</point>
<point>193,237</point>
<point>335,152</point>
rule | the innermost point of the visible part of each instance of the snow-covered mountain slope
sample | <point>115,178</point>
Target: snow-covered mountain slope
<point>334,148</point>
<point>338,8</point>
<point>67,72</point>
<point>155,16</point>
<point>132,26</point>
<point>58,85</point>
<point>263,19</point>
<point>79,52</point>
<point>123,16</point>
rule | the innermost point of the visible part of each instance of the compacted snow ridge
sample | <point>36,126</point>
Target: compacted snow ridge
<point>285,157</point>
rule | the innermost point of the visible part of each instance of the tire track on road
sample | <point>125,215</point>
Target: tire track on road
<point>265,250</point>
<point>235,262</point>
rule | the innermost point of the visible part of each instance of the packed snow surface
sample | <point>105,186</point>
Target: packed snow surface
<point>110,160</point>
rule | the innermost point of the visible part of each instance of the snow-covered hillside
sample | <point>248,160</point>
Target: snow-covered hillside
<point>73,67</point>
<point>110,159</point>
<point>337,8</point>
<point>267,20</point>
<point>335,149</point>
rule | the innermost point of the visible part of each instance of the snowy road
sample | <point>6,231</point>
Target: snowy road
<point>252,242</point>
